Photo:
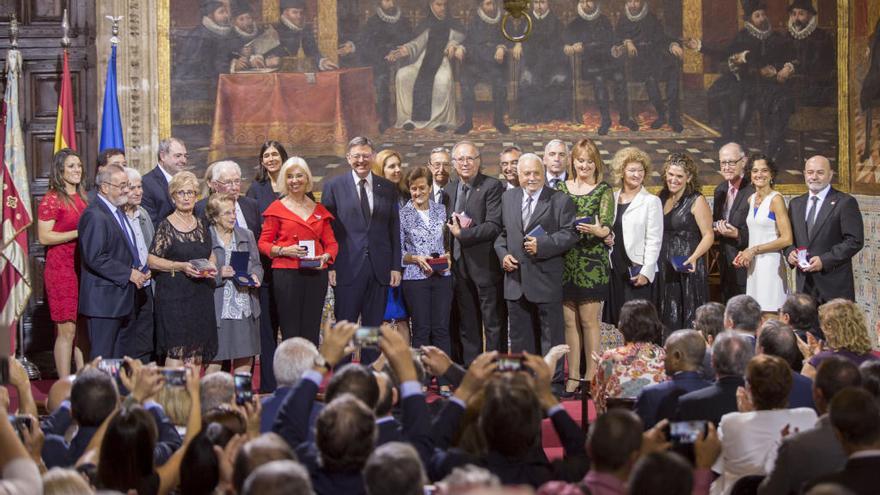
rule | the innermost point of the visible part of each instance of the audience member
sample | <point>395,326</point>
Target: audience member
<point>870,371</point>
<point>19,473</point>
<point>749,437</point>
<point>731,353</point>
<point>805,455</point>
<point>855,416</point>
<point>846,334</point>
<point>637,233</point>
<point>216,389</point>
<point>826,223</point>
<point>283,477</point>
<point>778,339</point>
<point>666,469</point>
<point>186,326</point>
<point>466,478</point>
<point>61,481</point>
<point>684,354</point>
<point>157,198</point>
<point>475,222</point>
<point>394,468</point>
<point>292,224</point>
<point>236,302</point>
<point>257,452</point>
<point>57,217</point>
<point>802,313</point>
<point>293,358</point>
<point>742,314</point>
<point>366,226</point>
<point>618,376</point>
<point>534,262</point>
<point>709,321</point>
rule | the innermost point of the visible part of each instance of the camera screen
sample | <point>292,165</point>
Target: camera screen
<point>174,377</point>
<point>686,431</point>
<point>110,366</point>
<point>509,363</point>
<point>366,337</point>
<point>243,388</point>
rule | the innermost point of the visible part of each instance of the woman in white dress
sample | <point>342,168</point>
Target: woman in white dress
<point>769,233</point>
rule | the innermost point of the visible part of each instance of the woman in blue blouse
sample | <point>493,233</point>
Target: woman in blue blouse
<point>427,284</point>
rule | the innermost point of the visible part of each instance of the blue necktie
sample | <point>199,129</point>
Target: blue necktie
<point>136,259</point>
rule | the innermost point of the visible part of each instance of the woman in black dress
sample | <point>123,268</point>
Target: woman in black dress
<point>265,189</point>
<point>687,236</point>
<point>186,328</point>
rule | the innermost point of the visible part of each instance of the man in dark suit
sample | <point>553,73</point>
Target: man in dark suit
<point>112,271</point>
<point>828,224</point>
<point>293,357</point>
<point>815,452</point>
<point>476,198</point>
<point>684,354</point>
<point>157,199</point>
<point>226,179</point>
<point>779,340</point>
<point>855,417</point>
<point>367,228</point>
<point>438,163</point>
<point>730,210</point>
<point>533,261</point>
<point>731,353</point>
<point>507,161</point>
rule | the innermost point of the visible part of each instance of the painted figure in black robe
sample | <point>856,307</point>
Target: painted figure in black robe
<point>485,59</point>
<point>813,57</point>
<point>544,81</point>
<point>382,33</point>
<point>654,58</point>
<point>293,35</point>
<point>870,95</point>
<point>590,36</point>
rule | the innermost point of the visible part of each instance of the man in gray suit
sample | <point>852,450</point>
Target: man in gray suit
<point>538,229</point>
<point>812,453</point>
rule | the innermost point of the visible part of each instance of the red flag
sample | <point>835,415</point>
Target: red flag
<point>65,131</point>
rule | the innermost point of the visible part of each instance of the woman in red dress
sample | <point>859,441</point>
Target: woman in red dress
<point>58,215</point>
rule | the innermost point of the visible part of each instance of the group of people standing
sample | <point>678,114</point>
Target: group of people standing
<point>465,265</point>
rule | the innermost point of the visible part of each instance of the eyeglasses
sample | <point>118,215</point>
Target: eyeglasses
<point>360,156</point>
<point>467,159</point>
<point>731,163</point>
<point>227,183</point>
<point>185,194</point>
<point>122,185</point>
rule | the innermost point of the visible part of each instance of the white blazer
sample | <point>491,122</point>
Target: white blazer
<point>642,231</point>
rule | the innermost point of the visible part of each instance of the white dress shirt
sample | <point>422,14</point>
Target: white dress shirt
<point>821,195</point>
<point>368,186</point>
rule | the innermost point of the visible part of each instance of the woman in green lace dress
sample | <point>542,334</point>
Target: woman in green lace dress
<point>585,277</point>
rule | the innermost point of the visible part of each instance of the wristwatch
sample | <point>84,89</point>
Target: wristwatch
<point>320,362</point>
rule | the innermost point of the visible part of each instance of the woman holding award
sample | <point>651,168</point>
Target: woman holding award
<point>298,237</point>
<point>236,298</point>
<point>427,284</point>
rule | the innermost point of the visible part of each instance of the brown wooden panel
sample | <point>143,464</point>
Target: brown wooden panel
<point>9,7</point>
<point>39,159</point>
<point>44,88</point>
<point>45,11</point>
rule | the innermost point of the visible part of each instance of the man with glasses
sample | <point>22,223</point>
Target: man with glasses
<point>226,180</point>
<point>730,210</point>
<point>112,269</point>
<point>475,222</point>
<point>367,229</point>
<point>438,163</point>
<point>157,199</point>
<point>508,160</point>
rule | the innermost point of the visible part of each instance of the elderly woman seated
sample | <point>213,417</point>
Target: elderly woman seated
<point>846,334</point>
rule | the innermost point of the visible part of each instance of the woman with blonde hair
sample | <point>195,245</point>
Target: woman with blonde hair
<point>846,335</point>
<point>183,268</point>
<point>297,235</point>
<point>586,271</point>
<point>637,233</point>
<point>687,237</point>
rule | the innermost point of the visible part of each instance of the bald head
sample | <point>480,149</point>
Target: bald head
<point>685,350</point>
<point>733,161</point>
<point>817,173</point>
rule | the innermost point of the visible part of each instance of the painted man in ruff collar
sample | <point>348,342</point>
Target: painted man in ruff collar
<point>813,56</point>
<point>205,49</point>
<point>293,35</point>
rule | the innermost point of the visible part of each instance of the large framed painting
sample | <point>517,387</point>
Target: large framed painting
<point>863,83</point>
<point>664,75</point>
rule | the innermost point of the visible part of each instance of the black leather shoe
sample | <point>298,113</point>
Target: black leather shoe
<point>464,128</point>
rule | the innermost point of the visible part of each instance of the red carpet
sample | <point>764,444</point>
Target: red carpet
<point>549,439</point>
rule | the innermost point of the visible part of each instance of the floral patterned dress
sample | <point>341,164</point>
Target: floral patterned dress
<point>586,272</point>
<point>623,372</point>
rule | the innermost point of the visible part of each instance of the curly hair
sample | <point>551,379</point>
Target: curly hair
<point>625,156</point>
<point>586,148</point>
<point>639,322</point>
<point>844,326</point>
<point>687,164</point>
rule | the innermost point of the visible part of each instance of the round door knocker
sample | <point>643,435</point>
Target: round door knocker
<point>516,9</point>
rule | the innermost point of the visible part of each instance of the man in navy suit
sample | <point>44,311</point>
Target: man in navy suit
<point>367,228</point>
<point>157,199</point>
<point>828,224</point>
<point>112,271</point>
<point>685,350</point>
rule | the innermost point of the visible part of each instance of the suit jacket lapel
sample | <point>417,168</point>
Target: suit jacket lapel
<point>798,220</point>
<point>741,195</point>
<point>541,207</point>
<point>517,206</point>
<point>824,211</point>
<point>115,222</point>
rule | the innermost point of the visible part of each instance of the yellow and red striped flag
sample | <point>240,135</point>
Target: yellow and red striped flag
<point>65,131</point>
